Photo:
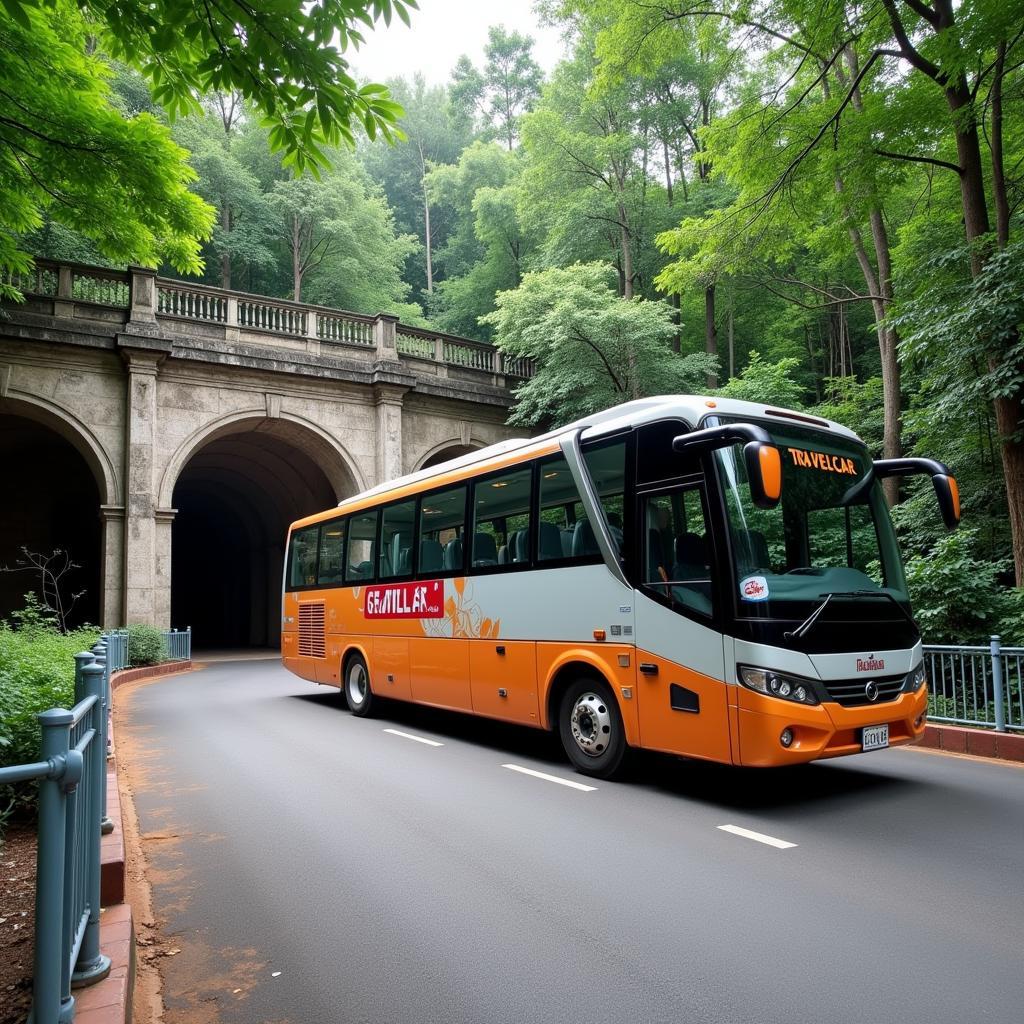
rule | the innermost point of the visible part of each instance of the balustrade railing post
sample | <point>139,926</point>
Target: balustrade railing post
<point>52,1002</point>
<point>997,683</point>
<point>231,318</point>
<point>384,340</point>
<point>91,965</point>
<point>142,304</point>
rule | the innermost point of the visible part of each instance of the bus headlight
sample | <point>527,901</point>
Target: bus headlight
<point>773,684</point>
<point>915,679</point>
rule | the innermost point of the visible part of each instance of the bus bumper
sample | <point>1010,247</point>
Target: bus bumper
<point>827,730</point>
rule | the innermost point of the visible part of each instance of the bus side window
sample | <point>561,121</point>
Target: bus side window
<point>442,528</point>
<point>396,533</point>
<point>501,520</point>
<point>302,558</point>
<point>677,553</point>
<point>562,519</point>
<point>332,552</point>
<point>606,464</point>
<point>362,534</point>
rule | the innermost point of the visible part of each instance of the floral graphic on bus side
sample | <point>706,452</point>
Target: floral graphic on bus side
<point>463,618</point>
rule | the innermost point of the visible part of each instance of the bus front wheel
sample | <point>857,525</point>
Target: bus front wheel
<point>357,687</point>
<point>591,729</point>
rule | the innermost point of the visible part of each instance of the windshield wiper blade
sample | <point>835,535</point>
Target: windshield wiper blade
<point>808,624</point>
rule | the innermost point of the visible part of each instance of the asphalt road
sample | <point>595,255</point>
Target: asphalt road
<point>316,868</point>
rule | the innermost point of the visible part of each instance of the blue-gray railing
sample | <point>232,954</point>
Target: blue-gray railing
<point>177,646</point>
<point>976,685</point>
<point>72,775</point>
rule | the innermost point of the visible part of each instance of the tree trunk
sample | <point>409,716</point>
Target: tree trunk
<point>999,197</point>
<point>297,259</point>
<point>430,262</point>
<point>710,334</point>
<point>668,169</point>
<point>225,259</point>
<point>627,254</point>
<point>732,342</point>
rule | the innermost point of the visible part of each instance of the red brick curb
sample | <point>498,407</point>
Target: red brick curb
<point>1002,746</point>
<point>110,1001</point>
<point>126,675</point>
<point>112,850</point>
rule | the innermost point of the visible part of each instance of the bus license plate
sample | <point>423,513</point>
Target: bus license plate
<point>874,737</point>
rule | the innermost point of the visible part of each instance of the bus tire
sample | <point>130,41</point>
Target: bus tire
<point>357,687</point>
<point>591,729</point>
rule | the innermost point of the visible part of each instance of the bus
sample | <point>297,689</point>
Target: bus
<point>701,576</point>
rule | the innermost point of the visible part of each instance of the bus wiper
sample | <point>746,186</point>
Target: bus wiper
<point>808,624</point>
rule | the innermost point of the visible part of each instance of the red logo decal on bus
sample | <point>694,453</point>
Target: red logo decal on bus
<point>405,601</point>
<point>871,664</point>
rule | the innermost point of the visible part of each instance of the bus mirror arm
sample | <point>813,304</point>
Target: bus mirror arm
<point>762,459</point>
<point>946,490</point>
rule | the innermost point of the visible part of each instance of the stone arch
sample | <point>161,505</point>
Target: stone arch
<point>237,484</point>
<point>68,426</point>
<point>339,467</point>
<point>450,449</point>
<point>57,478</point>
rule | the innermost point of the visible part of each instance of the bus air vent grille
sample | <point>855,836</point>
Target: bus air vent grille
<point>851,693</point>
<point>311,630</point>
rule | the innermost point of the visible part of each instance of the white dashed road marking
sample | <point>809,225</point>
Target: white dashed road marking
<point>549,778</point>
<point>418,739</point>
<point>760,837</point>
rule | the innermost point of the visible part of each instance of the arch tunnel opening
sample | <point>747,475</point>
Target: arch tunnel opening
<point>235,499</point>
<point>51,502</point>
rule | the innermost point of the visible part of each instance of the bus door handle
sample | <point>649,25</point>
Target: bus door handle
<point>648,669</point>
<point>500,648</point>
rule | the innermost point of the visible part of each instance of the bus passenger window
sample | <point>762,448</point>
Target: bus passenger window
<point>606,465</point>
<point>362,533</point>
<point>442,526</point>
<point>677,553</point>
<point>302,558</point>
<point>501,520</point>
<point>396,532</point>
<point>332,550</point>
<point>561,513</point>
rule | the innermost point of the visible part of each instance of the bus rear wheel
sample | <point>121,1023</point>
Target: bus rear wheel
<point>357,687</point>
<point>590,728</point>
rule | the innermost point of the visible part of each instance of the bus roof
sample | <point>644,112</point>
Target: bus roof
<point>690,408</point>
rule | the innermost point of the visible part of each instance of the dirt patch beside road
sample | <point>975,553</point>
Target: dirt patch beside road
<point>17,921</point>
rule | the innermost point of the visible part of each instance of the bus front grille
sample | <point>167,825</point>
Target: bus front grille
<point>852,693</point>
<point>311,630</point>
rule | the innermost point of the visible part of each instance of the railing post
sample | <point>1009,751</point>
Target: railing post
<point>142,308</point>
<point>92,965</point>
<point>231,319</point>
<point>384,336</point>
<point>51,986</point>
<point>997,683</point>
<point>64,301</point>
<point>102,652</point>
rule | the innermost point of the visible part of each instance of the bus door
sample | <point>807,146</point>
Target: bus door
<point>680,660</point>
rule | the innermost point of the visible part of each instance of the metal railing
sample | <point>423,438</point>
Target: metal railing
<point>72,775</point>
<point>976,685</point>
<point>178,645</point>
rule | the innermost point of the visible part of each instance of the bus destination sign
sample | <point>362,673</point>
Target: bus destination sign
<point>405,601</point>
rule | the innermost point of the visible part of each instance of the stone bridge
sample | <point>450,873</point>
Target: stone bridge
<point>166,433</point>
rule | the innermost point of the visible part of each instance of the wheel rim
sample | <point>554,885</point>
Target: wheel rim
<point>591,724</point>
<point>357,684</point>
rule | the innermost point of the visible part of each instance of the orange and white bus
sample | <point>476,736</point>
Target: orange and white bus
<point>701,576</point>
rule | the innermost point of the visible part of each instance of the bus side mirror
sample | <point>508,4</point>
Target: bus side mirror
<point>760,456</point>
<point>943,481</point>
<point>764,472</point>
<point>948,495</point>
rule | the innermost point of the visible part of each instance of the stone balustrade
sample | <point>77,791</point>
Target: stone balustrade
<point>141,296</point>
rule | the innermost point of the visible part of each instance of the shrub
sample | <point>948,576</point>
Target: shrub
<point>37,672</point>
<point>145,645</point>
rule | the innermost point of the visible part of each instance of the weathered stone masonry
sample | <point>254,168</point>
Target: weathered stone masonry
<point>174,391</point>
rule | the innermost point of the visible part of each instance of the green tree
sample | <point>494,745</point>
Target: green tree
<point>67,151</point>
<point>512,80</point>
<point>592,349</point>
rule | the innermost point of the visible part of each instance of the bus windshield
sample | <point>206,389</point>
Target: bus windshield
<point>829,535</point>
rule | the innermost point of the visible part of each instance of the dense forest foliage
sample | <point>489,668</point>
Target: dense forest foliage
<point>815,204</point>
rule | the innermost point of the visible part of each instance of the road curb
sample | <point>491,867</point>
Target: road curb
<point>998,746</point>
<point>128,675</point>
